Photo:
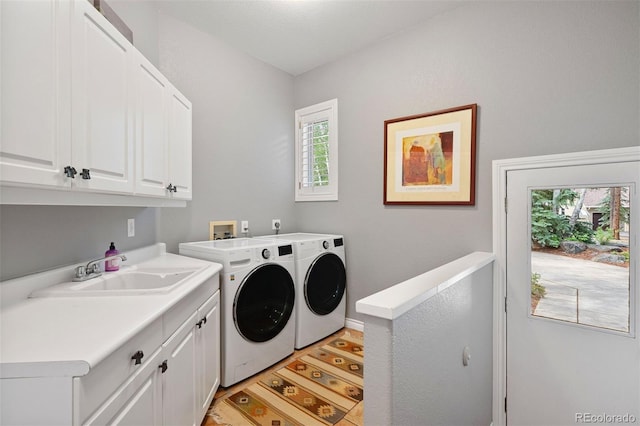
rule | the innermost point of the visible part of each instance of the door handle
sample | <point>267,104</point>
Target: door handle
<point>70,171</point>
<point>138,357</point>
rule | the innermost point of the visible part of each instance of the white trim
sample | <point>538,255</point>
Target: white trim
<point>354,324</point>
<point>499,176</point>
<point>394,301</point>
<point>328,109</point>
<point>66,197</point>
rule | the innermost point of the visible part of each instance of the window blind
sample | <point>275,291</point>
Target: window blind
<point>315,154</point>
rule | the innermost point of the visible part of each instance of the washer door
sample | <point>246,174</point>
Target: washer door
<point>264,302</point>
<point>325,284</point>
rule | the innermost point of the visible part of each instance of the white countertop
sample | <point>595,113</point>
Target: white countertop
<point>67,336</point>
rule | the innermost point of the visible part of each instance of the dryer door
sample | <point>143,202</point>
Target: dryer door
<point>325,284</point>
<point>264,302</point>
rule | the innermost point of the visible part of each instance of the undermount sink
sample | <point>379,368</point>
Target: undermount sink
<point>131,281</point>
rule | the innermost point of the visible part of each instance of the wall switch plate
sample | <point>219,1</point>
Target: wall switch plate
<point>244,226</point>
<point>131,227</point>
<point>275,224</point>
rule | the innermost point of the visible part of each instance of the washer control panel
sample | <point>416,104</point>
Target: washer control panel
<point>285,250</point>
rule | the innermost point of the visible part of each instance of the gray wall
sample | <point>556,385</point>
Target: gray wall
<point>242,136</point>
<point>548,77</point>
<point>427,382</point>
<point>38,238</point>
<point>141,16</point>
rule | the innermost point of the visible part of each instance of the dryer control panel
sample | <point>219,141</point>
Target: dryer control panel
<point>285,250</point>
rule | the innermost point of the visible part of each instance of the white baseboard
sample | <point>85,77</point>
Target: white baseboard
<point>354,324</point>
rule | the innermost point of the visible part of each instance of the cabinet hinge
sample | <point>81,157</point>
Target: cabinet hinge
<point>506,210</point>
<point>505,305</point>
<point>505,404</point>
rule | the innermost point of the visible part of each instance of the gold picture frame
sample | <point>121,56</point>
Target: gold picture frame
<point>429,159</point>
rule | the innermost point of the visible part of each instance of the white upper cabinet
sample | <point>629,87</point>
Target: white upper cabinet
<point>163,135</point>
<point>180,145</point>
<point>83,110</point>
<point>34,87</point>
<point>101,103</point>
<point>151,129</point>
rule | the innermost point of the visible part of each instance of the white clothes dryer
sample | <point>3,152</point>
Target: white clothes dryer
<point>257,294</point>
<point>321,284</point>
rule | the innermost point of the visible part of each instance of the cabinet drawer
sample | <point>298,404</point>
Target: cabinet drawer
<point>137,402</point>
<point>93,389</point>
<point>185,307</point>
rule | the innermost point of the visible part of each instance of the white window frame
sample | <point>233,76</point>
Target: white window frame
<point>324,110</point>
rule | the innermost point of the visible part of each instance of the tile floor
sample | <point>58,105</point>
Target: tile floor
<point>353,418</point>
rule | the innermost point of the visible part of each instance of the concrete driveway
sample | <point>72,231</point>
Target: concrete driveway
<point>582,291</point>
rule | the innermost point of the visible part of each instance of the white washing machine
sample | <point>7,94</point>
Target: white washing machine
<point>257,294</point>
<point>321,284</point>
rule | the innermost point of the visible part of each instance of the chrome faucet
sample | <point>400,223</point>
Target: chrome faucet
<point>92,270</point>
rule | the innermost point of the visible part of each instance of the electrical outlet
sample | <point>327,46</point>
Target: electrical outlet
<point>131,227</point>
<point>244,226</point>
<point>275,224</point>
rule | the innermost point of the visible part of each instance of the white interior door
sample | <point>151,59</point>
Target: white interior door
<point>578,359</point>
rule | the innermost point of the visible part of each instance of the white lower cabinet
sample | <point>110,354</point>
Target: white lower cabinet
<point>207,354</point>
<point>147,383</point>
<point>137,402</point>
<point>179,377</point>
<point>176,384</point>
<point>192,366</point>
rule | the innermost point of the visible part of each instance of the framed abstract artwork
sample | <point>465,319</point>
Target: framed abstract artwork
<point>430,158</point>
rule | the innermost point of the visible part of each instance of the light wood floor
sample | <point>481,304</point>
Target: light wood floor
<point>353,418</point>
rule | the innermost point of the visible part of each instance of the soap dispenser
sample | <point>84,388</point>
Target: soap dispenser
<point>113,264</point>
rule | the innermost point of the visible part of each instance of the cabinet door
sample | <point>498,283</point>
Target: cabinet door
<point>178,399</point>
<point>137,402</point>
<point>208,353</point>
<point>102,102</point>
<point>151,129</point>
<point>34,101</point>
<point>180,145</point>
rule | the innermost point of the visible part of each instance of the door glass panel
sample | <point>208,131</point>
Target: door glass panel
<point>580,256</point>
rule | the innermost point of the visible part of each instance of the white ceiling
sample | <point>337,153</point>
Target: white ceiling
<point>299,35</point>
